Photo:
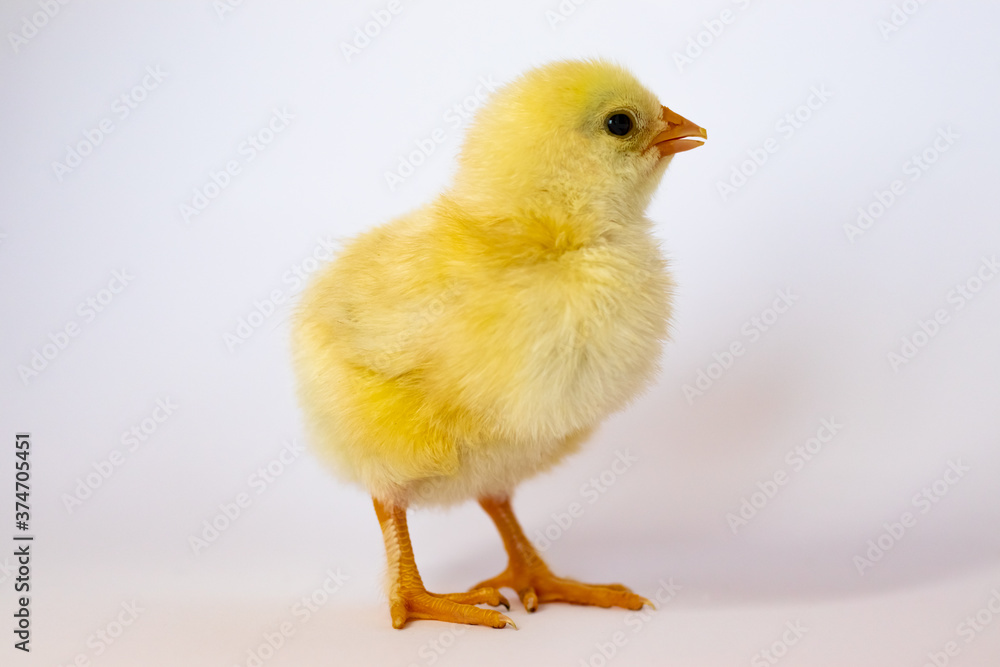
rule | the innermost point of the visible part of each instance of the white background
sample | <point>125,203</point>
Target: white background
<point>322,178</point>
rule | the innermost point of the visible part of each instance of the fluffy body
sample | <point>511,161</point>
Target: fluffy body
<point>457,350</point>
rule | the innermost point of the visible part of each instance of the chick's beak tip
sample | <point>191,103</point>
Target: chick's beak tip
<point>680,135</point>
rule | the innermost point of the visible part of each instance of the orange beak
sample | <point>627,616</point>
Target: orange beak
<point>680,135</point>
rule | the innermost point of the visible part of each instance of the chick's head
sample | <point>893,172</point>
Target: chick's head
<point>583,135</point>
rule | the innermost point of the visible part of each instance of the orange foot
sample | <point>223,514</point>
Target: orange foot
<point>530,577</point>
<point>408,599</point>
<point>535,583</point>
<point>417,603</point>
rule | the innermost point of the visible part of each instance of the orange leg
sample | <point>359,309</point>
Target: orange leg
<point>408,599</point>
<point>530,577</point>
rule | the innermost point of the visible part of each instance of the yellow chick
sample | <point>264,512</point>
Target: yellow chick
<point>464,347</point>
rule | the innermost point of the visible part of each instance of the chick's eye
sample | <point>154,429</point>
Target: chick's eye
<point>619,124</point>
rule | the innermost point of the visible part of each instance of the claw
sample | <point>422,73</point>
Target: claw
<point>397,611</point>
<point>529,598</point>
